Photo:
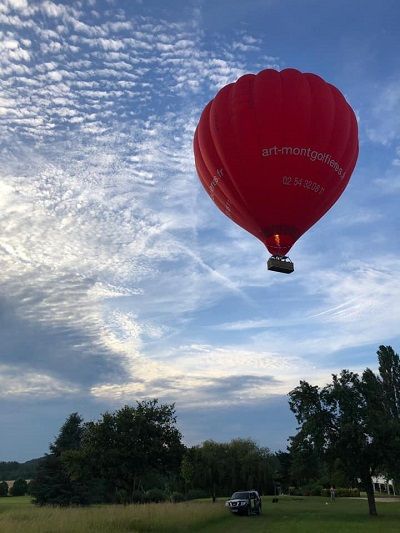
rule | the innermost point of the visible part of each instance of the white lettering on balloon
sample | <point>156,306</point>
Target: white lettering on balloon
<point>312,155</point>
<point>215,180</point>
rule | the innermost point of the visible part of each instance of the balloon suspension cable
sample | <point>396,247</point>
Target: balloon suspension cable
<point>280,263</point>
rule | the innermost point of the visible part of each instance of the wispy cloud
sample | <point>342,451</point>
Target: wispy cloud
<point>100,204</point>
<point>384,123</point>
<point>110,249</point>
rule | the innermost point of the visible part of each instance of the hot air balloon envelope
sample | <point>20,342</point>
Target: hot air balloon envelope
<point>275,151</point>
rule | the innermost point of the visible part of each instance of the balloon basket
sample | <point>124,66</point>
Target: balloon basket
<point>278,263</point>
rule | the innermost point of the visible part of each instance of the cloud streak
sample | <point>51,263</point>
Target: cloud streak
<point>100,206</point>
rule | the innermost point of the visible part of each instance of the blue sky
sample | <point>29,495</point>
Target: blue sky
<point>119,279</point>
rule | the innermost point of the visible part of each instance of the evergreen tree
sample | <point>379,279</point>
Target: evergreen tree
<point>3,488</point>
<point>53,483</point>
<point>19,488</point>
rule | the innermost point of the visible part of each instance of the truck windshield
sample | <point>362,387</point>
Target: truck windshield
<point>240,496</point>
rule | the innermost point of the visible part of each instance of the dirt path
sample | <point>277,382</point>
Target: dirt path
<point>378,499</point>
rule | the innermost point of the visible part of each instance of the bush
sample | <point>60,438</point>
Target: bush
<point>313,489</point>
<point>138,496</point>
<point>342,493</point>
<point>20,488</point>
<point>195,494</point>
<point>155,495</point>
<point>177,497</point>
<point>3,488</point>
<point>31,484</point>
<point>121,496</point>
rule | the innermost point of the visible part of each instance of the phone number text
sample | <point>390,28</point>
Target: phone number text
<point>305,183</point>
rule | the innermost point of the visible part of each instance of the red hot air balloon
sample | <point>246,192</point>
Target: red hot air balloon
<point>275,151</point>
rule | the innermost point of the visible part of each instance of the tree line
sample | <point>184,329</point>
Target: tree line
<point>15,470</point>
<point>349,430</point>
<point>136,454</point>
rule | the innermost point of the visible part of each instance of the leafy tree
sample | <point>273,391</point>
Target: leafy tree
<point>3,488</point>
<point>187,470</point>
<point>19,488</point>
<point>307,466</point>
<point>213,458</point>
<point>124,449</point>
<point>284,469</point>
<point>353,419</point>
<point>222,468</point>
<point>388,387</point>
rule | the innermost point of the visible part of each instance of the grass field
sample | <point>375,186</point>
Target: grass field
<point>289,515</point>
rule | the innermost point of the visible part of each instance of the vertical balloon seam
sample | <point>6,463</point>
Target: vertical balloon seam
<point>327,143</point>
<point>204,126</point>
<point>290,80</point>
<point>332,100</point>
<point>219,199</point>
<point>338,101</point>
<point>239,212</point>
<point>257,114</point>
<point>251,110</point>
<point>200,162</point>
<point>215,107</point>
<point>347,115</point>
<point>237,91</point>
<point>259,82</point>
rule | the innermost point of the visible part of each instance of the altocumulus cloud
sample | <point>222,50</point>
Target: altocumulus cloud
<point>100,215</point>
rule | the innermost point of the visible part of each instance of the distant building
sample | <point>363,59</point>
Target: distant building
<point>383,485</point>
<point>10,482</point>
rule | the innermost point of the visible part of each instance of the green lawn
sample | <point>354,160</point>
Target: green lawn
<point>289,515</point>
<point>316,515</point>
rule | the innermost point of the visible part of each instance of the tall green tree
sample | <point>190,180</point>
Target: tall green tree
<point>353,419</point>
<point>53,483</point>
<point>382,394</point>
<point>284,469</point>
<point>222,468</point>
<point>125,448</point>
<point>306,466</point>
<point>70,435</point>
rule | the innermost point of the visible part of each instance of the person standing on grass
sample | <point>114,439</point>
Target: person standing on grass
<point>333,493</point>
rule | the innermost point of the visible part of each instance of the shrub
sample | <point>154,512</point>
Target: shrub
<point>138,496</point>
<point>195,494</point>
<point>20,488</point>
<point>177,497</point>
<point>3,488</point>
<point>155,495</point>
<point>313,489</point>
<point>342,493</point>
<point>31,484</point>
<point>121,496</point>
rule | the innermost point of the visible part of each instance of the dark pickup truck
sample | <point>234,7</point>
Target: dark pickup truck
<point>244,502</point>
